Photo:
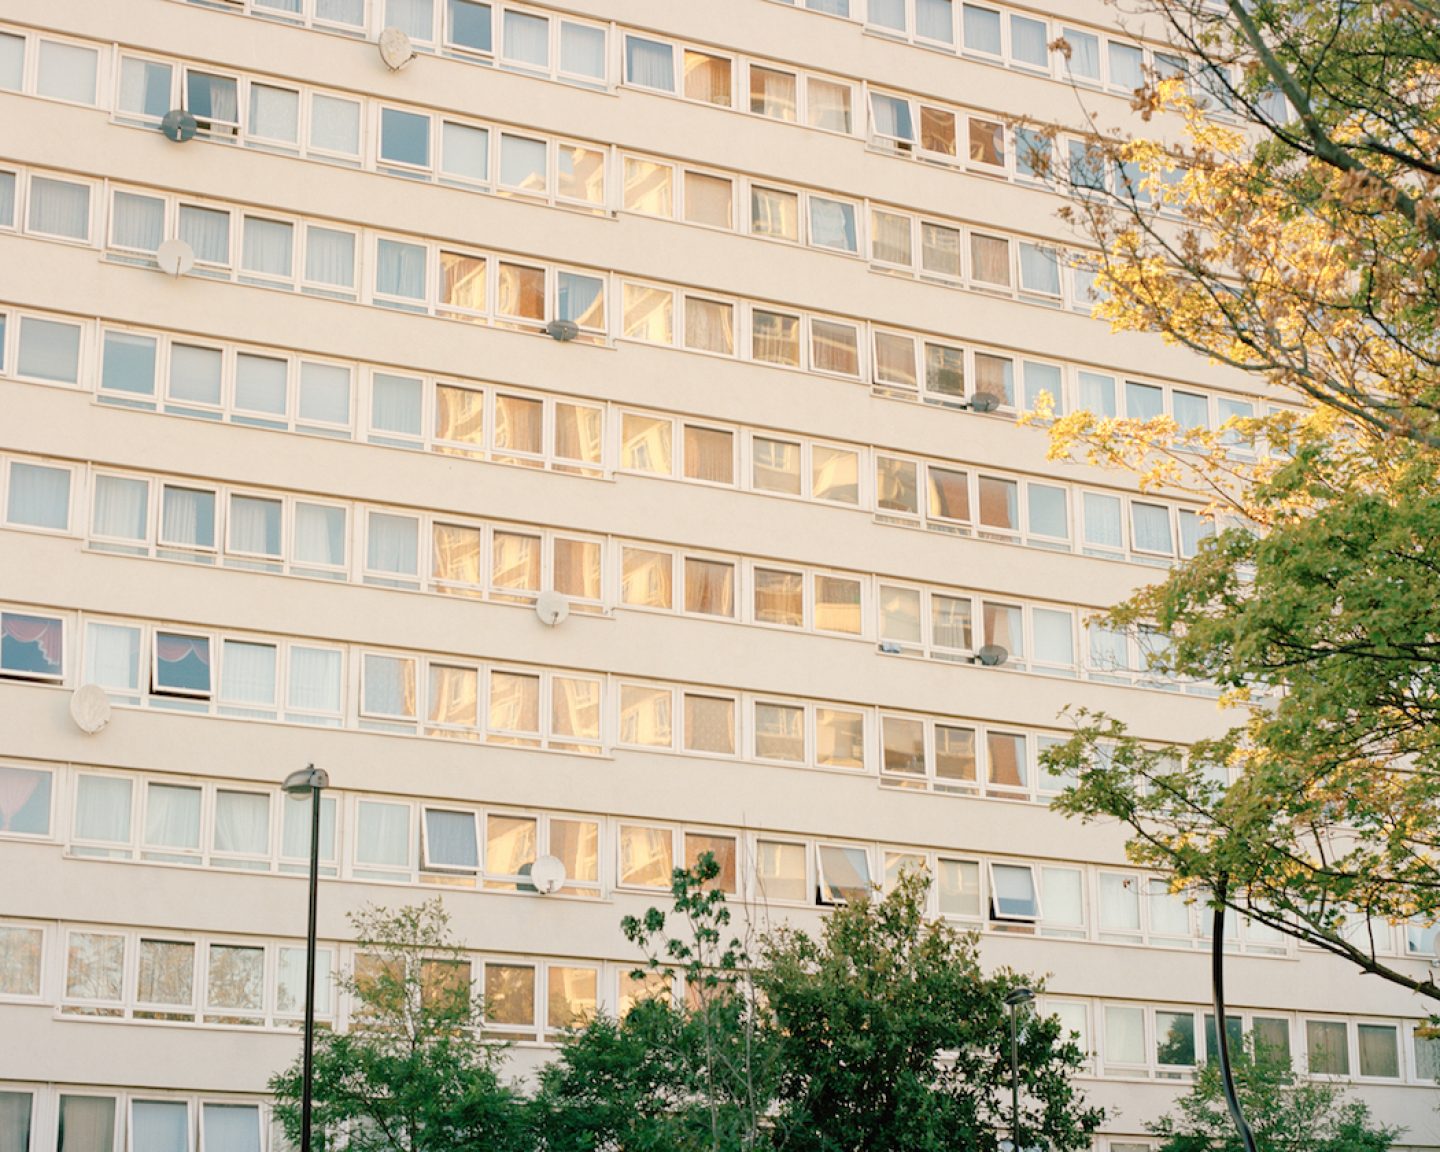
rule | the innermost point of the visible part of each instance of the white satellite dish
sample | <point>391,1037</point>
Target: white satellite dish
<point>552,608</point>
<point>547,875</point>
<point>175,256</point>
<point>396,49</point>
<point>90,708</point>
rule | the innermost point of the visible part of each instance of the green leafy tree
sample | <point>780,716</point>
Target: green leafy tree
<point>1286,1114</point>
<point>412,1073</point>
<point>893,1039</point>
<point>693,1075</point>
<point>1297,238</point>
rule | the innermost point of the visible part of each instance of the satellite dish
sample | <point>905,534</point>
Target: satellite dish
<point>984,402</point>
<point>562,330</point>
<point>395,49</point>
<point>175,256</point>
<point>547,875</point>
<point>178,125</point>
<point>992,655</point>
<point>90,708</point>
<point>552,608</point>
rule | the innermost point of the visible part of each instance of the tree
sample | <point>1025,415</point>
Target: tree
<point>892,1039</point>
<point>1287,1114</point>
<point>883,1035</point>
<point>1297,242</point>
<point>410,1075</point>
<point>691,1075</point>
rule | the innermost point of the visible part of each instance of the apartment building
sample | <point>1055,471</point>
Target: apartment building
<point>585,430</point>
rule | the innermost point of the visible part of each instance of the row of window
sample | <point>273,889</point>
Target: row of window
<point>269,250</point>
<point>242,826</point>
<point>299,682</point>
<point>268,531</point>
<point>180,978</point>
<point>272,389</point>
<point>36,1118</point>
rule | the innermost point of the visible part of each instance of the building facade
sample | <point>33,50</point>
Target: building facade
<point>319,497</point>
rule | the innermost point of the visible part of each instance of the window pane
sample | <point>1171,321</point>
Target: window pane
<point>707,78</point>
<point>645,443</point>
<point>709,454</point>
<point>1327,1048</point>
<point>709,724</point>
<point>514,702</point>
<point>709,587</point>
<point>1005,755</point>
<point>958,887</point>
<point>780,732</point>
<point>59,208</point>
<point>775,338</point>
<point>709,200</point>
<point>515,562</point>
<point>1379,1050</point>
<point>274,113</point>
<point>937,130</point>
<point>646,578</point>
<point>990,260</point>
<point>1124,1035</point>
<point>844,874</point>
<point>454,698</point>
<point>39,497</point>
<point>581,173</point>
<point>20,950</point>
<point>464,151</point>
<point>467,24</point>
<point>67,72</point>
<point>509,995</point>
<point>649,63</point>
<point>775,465</point>
<point>49,350</point>
<point>260,383</point>
<point>520,292</point>
<point>389,686</point>
<point>645,716</point>
<point>94,966</point>
<point>900,614</point>
<point>207,231</point>
<point>12,63</point>
<point>780,870</point>
<point>774,213</point>
<point>582,50</point>
<point>26,813</point>
<point>647,856</point>
<point>779,597</point>
<point>649,188</point>
<point>828,105</point>
<point>527,39</point>
<point>167,976</point>
<point>159,1126</point>
<point>722,848</point>
<point>949,494</point>
<point>335,124</point>
<point>837,605</point>
<point>581,299</point>
<point>522,163</point>
<point>772,93</point>
<point>835,474</point>
<point>1014,894</point>
<point>400,270</point>
<point>450,840</point>
<point>232,1127</point>
<point>382,835</point>
<point>1028,41</point>
<point>839,738</point>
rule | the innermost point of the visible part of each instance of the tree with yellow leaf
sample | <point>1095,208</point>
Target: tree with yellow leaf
<point>1281,216</point>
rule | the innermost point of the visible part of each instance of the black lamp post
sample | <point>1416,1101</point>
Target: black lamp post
<point>309,781</point>
<point>1013,999</point>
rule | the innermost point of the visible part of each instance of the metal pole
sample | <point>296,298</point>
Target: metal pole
<point>1014,1084</point>
<point>1217,978</point>
<point>308,1081</point>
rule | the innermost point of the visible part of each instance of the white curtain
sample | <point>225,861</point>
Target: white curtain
<point>400,269</point>
<point>314,679</point>
<point>1043,378</point>
<point>195,374</point>
<point>1097,393</point>
<point>159,1126</point>
<point>275,113</point>
<point>1169,914</point>
<point>255,525</point>
<point>1102,520</point>
<point>341,11</point>
<point>1054,637</point>
<point>267,246</point>
<point>324,392</point>
<point>214,98</point>
<point>389,686</point>
<point>1124,1035</point>
<point>39,496</point>
<point>1108,649</point>
<point>172,816</point>
<point>395,403</point>
<point>49,350</point>
<point>935,20</point>
<point>1064,903</point>
<point>295,838</point>
<point>290,975</point>
<point>319,535</point>
<point>526,39</point>
<point>120,509</point>
<point>137,221</point>
<point>887,14</point>
<point>829,105</point>
<point>649,63</point>
<point>1029,43</point>
<point>710,326</point>
<point>207,231</point>
<point>581,299</point>
<point>1084,54</point>
<point>188,517</point>
<point>832,224</point>
<point>12,61</point>
<point>382,835</point>
<point>232,1127</point>
<point>59,208</point>
<point>1119,903</point>
<point>1039,270</point>
<point>7,198</point>
<point>87,1124</point>
<point>392,544</point>
<point>450,839</point>
<point>15,1109</point>
<point>891,117</point>
<point>248,673</point>
<point>582,50</point>
<point>260,383</point>
<point>1151,524</point>
<point>413,17</point>
<point>465,151</point>
<point>112,656</point>
<point>144,87</point>
<point>242,822</point>
<point>335,123</point>
<point>67,71</point>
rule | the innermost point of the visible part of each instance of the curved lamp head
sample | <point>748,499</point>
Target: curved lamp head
<point>307,779</point>
<point>1017,996</point>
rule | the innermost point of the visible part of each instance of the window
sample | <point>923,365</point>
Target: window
<point>709,724</point>
<point>1379,1050</point>
<point>839,738</point>
<point>12,62</point>
<point>981,29</point>
<point>780,732</point>
<point>843,874</point>
<point>774,213</point>
<point>709,454</point>
<point>87,1123</point>
<point>49,350</point>
<point>187,520</point>
<point>467,26</point>
<point>779,597</point>
<point>709,587</point>
<point>724,849</point>
<point>1013,893</point>
<point>827,105</point>
<point>181,665</point>
<point>1327,1047</point>
<point>775,338</point>
<point>709,200</point>
<point>647,856</point>
<point>59,208</point>
<point>1124,1035</point>
<point>27,806</point>
<point>772,93</point>
<point>780,870</point>
<point>38,496</point>
<point>958,887</point>
<point>891,119</point>
<point>67,72</point>
<point>646,716</point>
<point>20,955</point>
<point>525,39</point>
<point>708,78</point>
<point>649,189</point>
<point>649,63</point>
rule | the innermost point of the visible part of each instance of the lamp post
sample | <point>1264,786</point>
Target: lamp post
<point>309,781</point>
<point>1013,999</point>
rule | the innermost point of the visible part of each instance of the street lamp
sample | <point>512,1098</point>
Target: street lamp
<point>309,781</point>
<point>1013,999</point>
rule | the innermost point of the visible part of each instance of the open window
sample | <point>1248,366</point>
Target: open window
<point>843,875</point>
<point>1014,895</point>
